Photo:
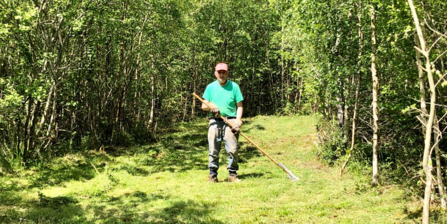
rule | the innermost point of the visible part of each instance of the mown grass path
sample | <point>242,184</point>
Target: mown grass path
<point>166,182</point>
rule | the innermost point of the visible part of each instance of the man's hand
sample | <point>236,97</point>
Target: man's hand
<point>214,109</point>
<point>236,126</point>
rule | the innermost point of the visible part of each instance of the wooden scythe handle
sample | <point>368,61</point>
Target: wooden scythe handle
<point>248,139</point>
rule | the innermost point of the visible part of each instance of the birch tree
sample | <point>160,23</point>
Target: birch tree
<point>427,163</point>
<point>375,110</point>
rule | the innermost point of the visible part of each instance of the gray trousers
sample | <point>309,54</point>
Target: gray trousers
<point>219,131</point>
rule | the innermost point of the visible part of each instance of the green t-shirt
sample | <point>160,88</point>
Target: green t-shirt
<point>225,97</point>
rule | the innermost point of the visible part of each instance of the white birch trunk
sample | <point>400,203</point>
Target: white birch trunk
<point>427,165</point>
<point>375,79</point>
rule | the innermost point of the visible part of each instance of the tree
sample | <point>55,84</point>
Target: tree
<point>375,81</point>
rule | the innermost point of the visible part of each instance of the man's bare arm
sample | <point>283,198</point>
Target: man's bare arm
<point>204,107</point>
<point>238,122</point>
<point>214,109</point>
<point>239,111</point>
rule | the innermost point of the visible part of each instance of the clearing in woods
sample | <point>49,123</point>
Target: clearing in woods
<point>166,182</point>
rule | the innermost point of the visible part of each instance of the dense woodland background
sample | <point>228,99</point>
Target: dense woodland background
<point>78,75</point>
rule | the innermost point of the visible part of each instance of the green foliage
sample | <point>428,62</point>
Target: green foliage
<point>11,99</point>
<point>333,143</point>
<point>79,75</point>
<point>84,74</point>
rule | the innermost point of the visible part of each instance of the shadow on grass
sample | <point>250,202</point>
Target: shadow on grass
<point>186,212</point>
<point>437,215</point>
<point>9,198</point>
<point>59,175</point>
<point>12,193</point>
<point>44,210</point>
<point>131,208</point>
<point>183,151</point>
<point>414,215</point>
<point>246,129</point>
<point>176,151</point>
<point>247,152</point>
<point>9,193</point>
<point>133,170</point>
<point>250,175</point>
<point>74,170</point>
<point>255,127</point>
<point>178,154</point>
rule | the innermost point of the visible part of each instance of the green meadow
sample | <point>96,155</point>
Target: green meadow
<point>166,182</point>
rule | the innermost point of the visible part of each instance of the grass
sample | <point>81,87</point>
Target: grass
<point>166,182</point>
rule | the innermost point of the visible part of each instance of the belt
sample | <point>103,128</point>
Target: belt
<point>220,119</point>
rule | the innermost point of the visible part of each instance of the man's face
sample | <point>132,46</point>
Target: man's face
<point>221,76</point>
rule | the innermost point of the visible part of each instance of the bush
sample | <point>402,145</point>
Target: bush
<point>332,141</point>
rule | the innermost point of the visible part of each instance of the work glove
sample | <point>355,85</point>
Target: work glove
<point>236,126</point>
<point>214,109</point>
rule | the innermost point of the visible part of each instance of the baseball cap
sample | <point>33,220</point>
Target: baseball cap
<point>221,66</point>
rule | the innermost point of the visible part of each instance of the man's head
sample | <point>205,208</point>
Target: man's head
<point>221,73</point>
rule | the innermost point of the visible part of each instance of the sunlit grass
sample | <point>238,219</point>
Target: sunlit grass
<point>166,182</point>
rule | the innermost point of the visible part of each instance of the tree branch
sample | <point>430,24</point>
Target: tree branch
<point>437,32</point>
<point>422,52</point>
<point>442,78</point>
<point>434,44</point>
<point>439,56</point>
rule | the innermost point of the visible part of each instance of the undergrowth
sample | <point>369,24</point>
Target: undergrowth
<point>395,167</point>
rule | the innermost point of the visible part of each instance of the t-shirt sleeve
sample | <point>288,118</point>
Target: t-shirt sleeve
<point>238,93</point>
<point>206,94</point>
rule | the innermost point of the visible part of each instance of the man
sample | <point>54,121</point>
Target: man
<point>225,98</point>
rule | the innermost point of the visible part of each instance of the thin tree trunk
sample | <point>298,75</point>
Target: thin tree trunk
<point>31,132</point>
<point>354,124</point>
<point>427,165</point>
<point>375,79</point>
<point>54,114</point>
<point>438,153</point>
<point>52,138</point>
<point>423,99</point>
<point>45,113</point>
<point>18,139</point>
<point>185,108</point>
<point>287,88</point>
<point>340,96</point>
<point>26,127</point>
<point>282,62</point>
<point>194,90</point>
<point>357,89</point>
<point>298,95</point>
<point>151,118</point>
